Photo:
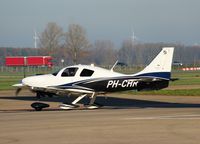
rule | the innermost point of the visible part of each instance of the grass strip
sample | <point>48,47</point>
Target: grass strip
<point>178,92</point>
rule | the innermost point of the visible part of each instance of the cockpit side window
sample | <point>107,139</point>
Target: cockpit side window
<point>69,72</point>
<point>86,73</point>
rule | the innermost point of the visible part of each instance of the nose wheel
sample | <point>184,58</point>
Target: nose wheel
<point>38,106</point>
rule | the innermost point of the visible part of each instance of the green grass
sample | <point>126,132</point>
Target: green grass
<point>6,82</point>
<point>182,92</point>
<point>7,79</point>
<point>185,78</point>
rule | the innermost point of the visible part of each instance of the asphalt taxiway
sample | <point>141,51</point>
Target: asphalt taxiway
<point>124,119</point>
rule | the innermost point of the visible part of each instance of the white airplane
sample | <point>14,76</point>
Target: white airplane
<point>89,80</point>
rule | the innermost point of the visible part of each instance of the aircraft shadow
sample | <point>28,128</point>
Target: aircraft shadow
<point>112,102</point>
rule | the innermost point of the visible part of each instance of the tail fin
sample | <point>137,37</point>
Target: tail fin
<point>161,65</point>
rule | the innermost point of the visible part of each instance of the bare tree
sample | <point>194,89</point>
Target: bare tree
<point>51,38</point>
<point>104,53</point>
<point>127,53</point>
<point>76,41</point>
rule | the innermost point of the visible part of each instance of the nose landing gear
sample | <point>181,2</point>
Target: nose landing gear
<point>38,106</point>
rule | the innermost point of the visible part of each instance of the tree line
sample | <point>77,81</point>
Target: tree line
<point>74,47</point>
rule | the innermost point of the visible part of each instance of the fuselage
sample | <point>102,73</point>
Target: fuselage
<point>91,78</point>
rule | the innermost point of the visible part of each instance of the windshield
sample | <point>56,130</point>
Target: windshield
<point>55,73</point>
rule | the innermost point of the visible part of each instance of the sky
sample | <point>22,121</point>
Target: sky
<point>171,21</point>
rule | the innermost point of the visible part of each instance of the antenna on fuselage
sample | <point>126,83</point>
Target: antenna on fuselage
<point>114,65</point>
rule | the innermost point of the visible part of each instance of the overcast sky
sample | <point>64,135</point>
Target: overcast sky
<point>115,20</point>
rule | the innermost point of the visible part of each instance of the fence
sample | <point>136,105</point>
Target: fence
<point>43,70</point>
<point>36,70</point>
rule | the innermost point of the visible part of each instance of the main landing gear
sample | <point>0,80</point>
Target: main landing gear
<point>38,106</point>
<point>74,105</point>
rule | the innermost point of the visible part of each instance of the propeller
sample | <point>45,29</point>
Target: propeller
<point>18,88</point>
<point>18,91</point>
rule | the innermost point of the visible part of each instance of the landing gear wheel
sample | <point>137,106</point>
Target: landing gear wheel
<point>38,109</point>
<point>38,106</point>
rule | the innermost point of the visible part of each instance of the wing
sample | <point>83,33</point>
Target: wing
<point>70,89</point>
<point>55,89</point>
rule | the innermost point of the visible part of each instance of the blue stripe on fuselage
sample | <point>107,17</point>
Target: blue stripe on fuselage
<point>165,75</point>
